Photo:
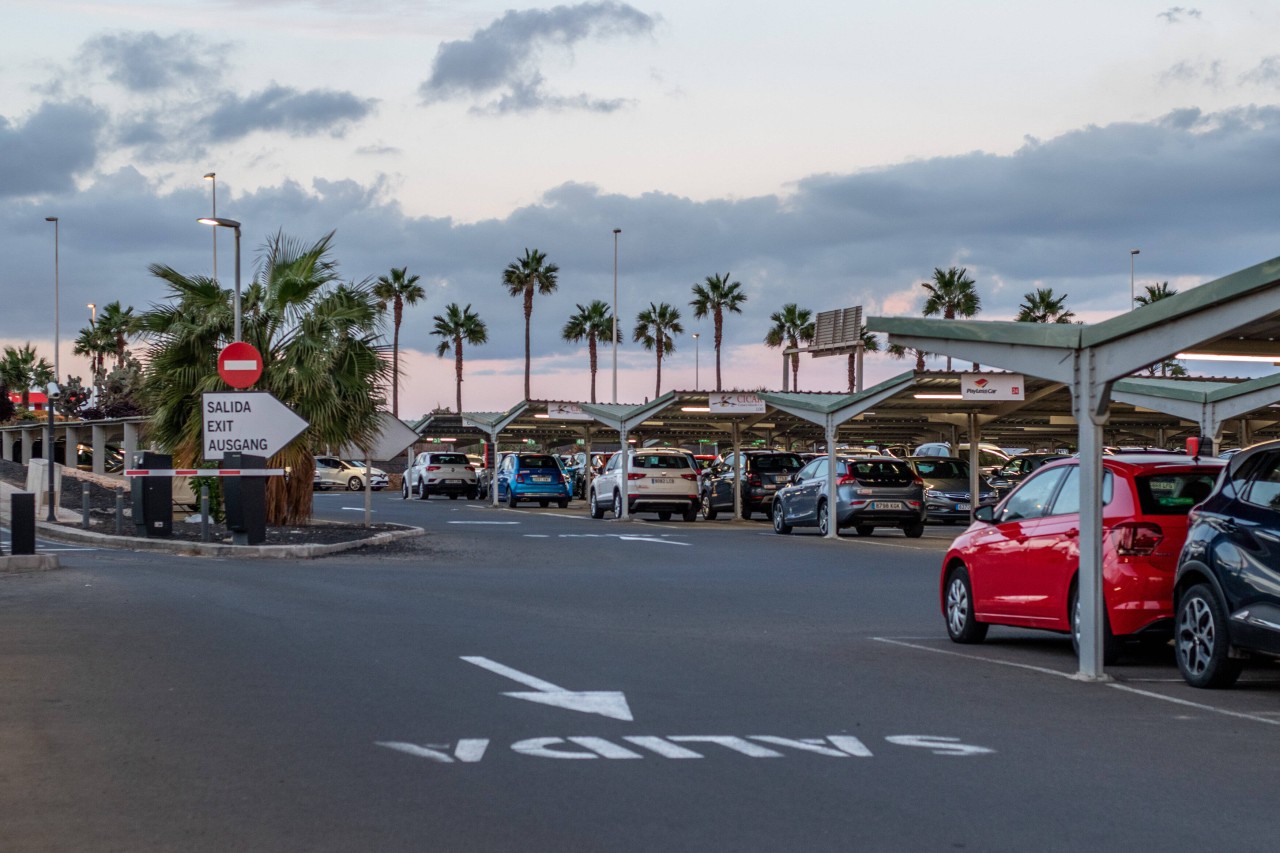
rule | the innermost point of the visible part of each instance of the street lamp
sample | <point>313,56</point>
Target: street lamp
<point>213,177</point>
<point>54,220</point>
<point>93,313</point>
<point>696,383</point>
<point>1133,296</point>
<point>616,232</point>
<point>230,223</point>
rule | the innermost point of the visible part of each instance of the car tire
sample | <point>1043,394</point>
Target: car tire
<point>664,515</point>
<point>914,530</point>
<point>474,494</point>
<point>690,514</point>
<point>617,505</point>
<point>422,491</point>
<point>957,608</point>
<point>1201,642</point>
<point>596,510</point>
<point>453,496</point>
<point>1110,646</point>
<point>355,484</point>
<point>746,510</point>
<point>779,516</point>
<point>563,504</point>
<point>864,529</point>
<point>512,500</point>
<point>824,518</point>
<point>708,511</point>
<point>404,490</point>
<point>543,504</point>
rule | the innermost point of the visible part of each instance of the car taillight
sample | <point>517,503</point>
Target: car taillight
<point>847,480</point>
<point>916,481</point>
<point>520,477</point>
<point>469,467</point>
<point>689,476</point>
<point>753,480</point>
<point>433,467</point>
<point>632,475</point>
<point>1136,539</point>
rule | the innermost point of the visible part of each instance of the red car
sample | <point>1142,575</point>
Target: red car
<point>1016,565</point>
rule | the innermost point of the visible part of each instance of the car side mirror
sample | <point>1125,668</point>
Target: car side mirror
<point>985,514</point>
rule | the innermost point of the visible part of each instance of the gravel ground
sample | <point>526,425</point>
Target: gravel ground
<point>102,514</point>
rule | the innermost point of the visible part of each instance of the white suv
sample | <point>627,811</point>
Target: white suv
<point>661,480</point>
<point>440,473</point>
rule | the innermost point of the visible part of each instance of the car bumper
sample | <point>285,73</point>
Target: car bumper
<point>444,487</point>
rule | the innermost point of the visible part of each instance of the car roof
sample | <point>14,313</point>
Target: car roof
<point>1146,462</point>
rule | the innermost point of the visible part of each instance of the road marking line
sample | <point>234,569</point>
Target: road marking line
<point>608,703</point>
<point>1197,705</point>
<point>1039,669</point>
<point>356,509</point>
<point>486,522</point>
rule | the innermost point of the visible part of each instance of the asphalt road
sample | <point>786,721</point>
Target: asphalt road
<point>705,686</point>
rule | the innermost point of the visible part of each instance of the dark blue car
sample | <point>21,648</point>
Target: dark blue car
<point>533,477</point>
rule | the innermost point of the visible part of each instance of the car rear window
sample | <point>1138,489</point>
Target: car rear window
<point>540,461</point>
<point>654,460</point>
<point>1174,494</point>
<point>882,473</point>
<point>775,463</point>
<point>449,459</point>
<point>943,469</point>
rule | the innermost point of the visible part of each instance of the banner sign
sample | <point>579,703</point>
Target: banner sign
<point>736,404</point>
<point>567,412</point>
<point>992,386</point>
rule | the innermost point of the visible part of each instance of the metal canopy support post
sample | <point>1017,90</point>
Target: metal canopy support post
<point>625,468</point>
<point>833,507</point>
<point>1090,404</point>
<point>737,470</point>
<point>975,469</point>
<point>588,473</point>
<point>493,472</point>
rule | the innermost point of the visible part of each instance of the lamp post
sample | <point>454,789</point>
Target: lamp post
<point>230,223</point>
<point>93,313</point>
<point>1133,295</point>
<point>616,232</point>
<point>52,393</point>
<point>213,177</point>
<point>56,347</point>
<point>697,385</point>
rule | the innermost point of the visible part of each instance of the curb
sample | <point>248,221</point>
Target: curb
<point>28,563</point>
<point>217,549</point>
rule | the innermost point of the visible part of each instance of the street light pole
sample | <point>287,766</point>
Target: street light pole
<point>616,232</point>
<point>1133,295</point>
<point>230,223</point>
<point>56,342</point>
<point>697,384</point>
<point>213,177</point>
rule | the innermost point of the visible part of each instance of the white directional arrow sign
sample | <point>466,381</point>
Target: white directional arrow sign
<point>246,422</point>
<point>609,703</point>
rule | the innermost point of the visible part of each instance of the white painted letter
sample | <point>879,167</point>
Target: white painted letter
<point>737,744</point>
<point>540,747</point>
<point>469,751</point>
<point>604,748</point>
<point>851,745</point>
<point>660,746</point>
<point>804,744</point>
<point>939,745</point>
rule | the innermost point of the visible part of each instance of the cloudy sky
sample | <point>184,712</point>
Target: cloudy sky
<point>829,154</point>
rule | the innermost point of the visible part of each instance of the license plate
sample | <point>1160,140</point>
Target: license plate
<point>662,481</point>
<point>453,481</point>
<point>962,507</point>
<point>886,505</point>
<point>769,487</point>
<point>542,479</point>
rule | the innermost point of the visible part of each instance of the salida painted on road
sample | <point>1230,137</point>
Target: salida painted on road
<point>473,750</point>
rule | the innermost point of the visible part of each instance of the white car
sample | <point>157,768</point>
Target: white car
<point>661,480</point>
<point>440,473</point>
<point>335,473</point>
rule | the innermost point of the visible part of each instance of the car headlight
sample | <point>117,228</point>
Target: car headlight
<point>933,493</point>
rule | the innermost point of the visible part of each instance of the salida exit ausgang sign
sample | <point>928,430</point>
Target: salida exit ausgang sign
<point>246,422</point>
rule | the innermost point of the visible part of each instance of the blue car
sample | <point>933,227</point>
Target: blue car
<point>533,477</point>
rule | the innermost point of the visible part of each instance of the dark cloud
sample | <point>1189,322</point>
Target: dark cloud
<point>45,152</point>
<point>503,57</point>
<point>148,62</point>
<point>1175,14</point>
<point>281,108</point>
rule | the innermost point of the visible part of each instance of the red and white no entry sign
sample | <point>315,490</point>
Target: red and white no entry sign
<point>239,364</point>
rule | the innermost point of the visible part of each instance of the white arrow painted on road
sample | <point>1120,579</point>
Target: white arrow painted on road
<point>609,703</point>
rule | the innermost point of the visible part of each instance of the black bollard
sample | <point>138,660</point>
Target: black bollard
<point>84,505</point>
<point>204,514</point>
<point>22,527</point>
<point>119,510</point>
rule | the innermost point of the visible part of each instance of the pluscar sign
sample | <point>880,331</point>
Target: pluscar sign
<point>992,386</point>
<point>736,404</point>
<point>246,422</point>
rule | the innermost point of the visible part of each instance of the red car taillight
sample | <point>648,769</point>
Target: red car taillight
<point>433,467</point>
<point>916,481</point>
<point>1136,538</point>
<point>754,480</point>
<point>470,467</point>
<point>632,475</point>
<point>520,478</point>
<point>689,476</point>
<point>847,480</point>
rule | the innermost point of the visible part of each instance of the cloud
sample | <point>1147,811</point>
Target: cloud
<point>44,153</point>
<point>1175,14</point>
<point>145,62</point>
<point>1267,73</point>
<point>281,108</point>
<point>503,57</point>
<point>1204,73</point>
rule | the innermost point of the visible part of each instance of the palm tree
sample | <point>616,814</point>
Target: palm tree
<point>655,326</point>
<point>792,326</point>
<point>454,327</point>
<point>397,290</point>
<point>97,344</point>
<point>1151,294</point>
<point>118,323</point>
<point>22,369</point>
<point>1041,306</point>
<point>590,323</point>
<point>319,341</point>
<point>522,277</point>
<point>899,351</point>
<point>715,297</point>
<point>952,294</point>
<point>870,343</point>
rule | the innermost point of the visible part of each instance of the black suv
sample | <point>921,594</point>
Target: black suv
<point>763,473</point>
<point>1227,589</point>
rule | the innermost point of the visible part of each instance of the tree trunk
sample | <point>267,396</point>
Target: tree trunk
<point>457,366</point>
<point>657,389</point>
<point>719,318</point>
<point>591,349</point>
<point>528,317</point>
<point>853,372</point>
<point>395,359</point>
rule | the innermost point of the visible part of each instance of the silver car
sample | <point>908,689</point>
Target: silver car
<point>946,488</point>
<point>871,492</point>
<point>335,473</point>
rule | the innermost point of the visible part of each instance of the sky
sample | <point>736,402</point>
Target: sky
<point>824,153</point>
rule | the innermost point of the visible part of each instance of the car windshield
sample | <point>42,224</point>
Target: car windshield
<point>1174,494</point>
<point>774,463</point>
<point>537,461</point>
<point>449,459</point>
<point>654,460</point>
<point>943,469</point>
<point>883,472</point>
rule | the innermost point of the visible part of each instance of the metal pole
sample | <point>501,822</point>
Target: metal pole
<point>696,347</point>
<point>616,232</point>
<point>54,220</point>
<point>213,176</point>
<point>237,306</point>
<point>1133,294</point>
<point>48,452</point>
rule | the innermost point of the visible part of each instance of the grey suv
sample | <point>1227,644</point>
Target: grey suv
<point>871,492</point>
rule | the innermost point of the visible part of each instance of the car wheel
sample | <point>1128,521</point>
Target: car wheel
<point>864,529</point>
<point>597,511</point>
<point>962,627</point>
<point>453,496</point>
<point>355,484</point>
<point>474,494</point>
<point>664,515</point>
<point>563,504</point>
<point>512,500</point>
<point>690,514</point>
<point>708,511</point>
<point>780,518</point>
<point>914,530</point>
<point>1110,648</point>
<point>1201,642</point>
<point>824,518</point>
<point>617,505</point>
<point>746,510</point>
<point>422,491</point>
<point>404,490</point>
